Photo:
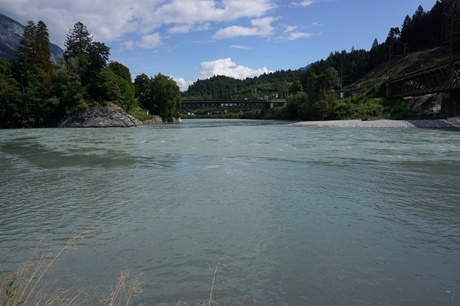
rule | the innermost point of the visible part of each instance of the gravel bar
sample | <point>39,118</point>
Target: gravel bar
<point>449,123</point>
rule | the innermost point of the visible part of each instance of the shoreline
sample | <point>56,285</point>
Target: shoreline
<point>450,123</point>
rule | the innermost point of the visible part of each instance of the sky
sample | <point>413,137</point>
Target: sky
<point>196,39</point>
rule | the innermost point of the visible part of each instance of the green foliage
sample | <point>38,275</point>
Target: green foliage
<point>221,88</point>
<point>398,109</point>
<point>142,89</point>
<point>126,86</point>
<point>295,87</point>
<point>359,107</point>
<point>160,95</point>
<point>10,96</point>
<point>78,41</point>
<point>82,106</point>
<point>120,70</point>
<point>105,87</point>
<point>67,86</point>
<point>165,99</point>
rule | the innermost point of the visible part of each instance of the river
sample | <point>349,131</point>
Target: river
<point>300,215</point>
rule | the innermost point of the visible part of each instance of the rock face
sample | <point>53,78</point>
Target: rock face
<point>431,104</point>
<point>11,33</point>
<point>100,116</point>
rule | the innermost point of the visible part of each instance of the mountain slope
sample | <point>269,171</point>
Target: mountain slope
<point>11,33</point>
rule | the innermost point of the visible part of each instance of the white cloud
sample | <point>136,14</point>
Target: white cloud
<point>240,47</point>
<point>260,27</point>
<point>229,68</point>
<point>150,41</point>
<point>129,45</point>
<point>185,28</point>
<point>290,29</point>
<point>112,20</point>
<point>304,3</point>
<point>182,83</point>
<point>297,35</point>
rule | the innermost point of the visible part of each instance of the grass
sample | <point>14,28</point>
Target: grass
<point>27,285</point>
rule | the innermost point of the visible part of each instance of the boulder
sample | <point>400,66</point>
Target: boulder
<point>100,116</point>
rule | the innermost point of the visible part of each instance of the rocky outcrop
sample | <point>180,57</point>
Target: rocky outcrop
<point>431,104</point>
<point>100,116</point>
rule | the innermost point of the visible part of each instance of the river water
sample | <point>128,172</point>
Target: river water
<point>300,215</point>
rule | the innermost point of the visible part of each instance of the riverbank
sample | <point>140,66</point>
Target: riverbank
<point>450,123</point>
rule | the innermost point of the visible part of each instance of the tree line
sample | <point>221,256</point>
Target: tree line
<point>37,92</point>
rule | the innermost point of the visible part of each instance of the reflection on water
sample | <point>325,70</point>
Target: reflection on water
<point>39,155</point>
<point>301,216</point>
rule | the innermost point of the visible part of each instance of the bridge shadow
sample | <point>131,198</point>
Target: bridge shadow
<point>443,124</point>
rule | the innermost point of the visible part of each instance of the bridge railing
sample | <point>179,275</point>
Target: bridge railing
<point>440,78</point>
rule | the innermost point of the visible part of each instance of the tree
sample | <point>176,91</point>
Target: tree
<point>375,44</point>
<point>10,96</point>
<point>126,86</point>
<point>92,59</point>
<point>142,86</point>
<point>26,52</point>
<point>67,87</point>
<point>295,87</point>
<point>43,55</point>
<point>33,72</point>
<point>165,98</point>
<point>78,41</point>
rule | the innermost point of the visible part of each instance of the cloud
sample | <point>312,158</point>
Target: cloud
<point>304,3</point>
<point>260,27</point>
<point>229,68</point>
<point>182,83</point>
<point>294,33</point>
<point>114,20</point>
<point>297,35</point>
<point>150,41</point>
<point>240,47</point>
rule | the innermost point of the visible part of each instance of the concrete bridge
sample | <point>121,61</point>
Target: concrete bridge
<point>233,105</point>
<point>442,77</point>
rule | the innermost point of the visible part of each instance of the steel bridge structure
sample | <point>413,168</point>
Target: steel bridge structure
<point>442,77</point>
<point>239,105</point>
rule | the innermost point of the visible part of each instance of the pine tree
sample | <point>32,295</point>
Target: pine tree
<point>42,42</point>
<point>26,52</point>
<point>78,41</point>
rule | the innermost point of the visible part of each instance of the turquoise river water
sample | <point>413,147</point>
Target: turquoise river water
<point>300,215</point>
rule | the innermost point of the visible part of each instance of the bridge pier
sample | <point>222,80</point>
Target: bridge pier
<point>454,103</point>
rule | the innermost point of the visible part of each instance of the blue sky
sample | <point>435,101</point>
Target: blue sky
<point>196,39</point>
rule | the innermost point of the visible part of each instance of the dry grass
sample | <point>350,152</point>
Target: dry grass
<point>218,269</point>
<point>27,285</point>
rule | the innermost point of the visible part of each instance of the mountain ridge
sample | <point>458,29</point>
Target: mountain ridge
<point>11,32</point>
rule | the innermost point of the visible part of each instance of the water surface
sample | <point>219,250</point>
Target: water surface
<point>301,216</point>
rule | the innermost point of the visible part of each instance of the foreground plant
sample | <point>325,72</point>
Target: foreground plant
<point>218,269</point>
<point>27,285</point>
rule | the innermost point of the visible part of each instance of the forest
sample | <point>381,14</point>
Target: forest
<point>35,92</point>
<point>312,92</point>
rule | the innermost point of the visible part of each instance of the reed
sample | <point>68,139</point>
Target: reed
<point>27,285</point>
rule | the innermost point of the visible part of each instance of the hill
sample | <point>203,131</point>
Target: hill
<point>11,33</point>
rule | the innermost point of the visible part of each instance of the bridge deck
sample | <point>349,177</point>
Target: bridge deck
<point>229,105</point>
